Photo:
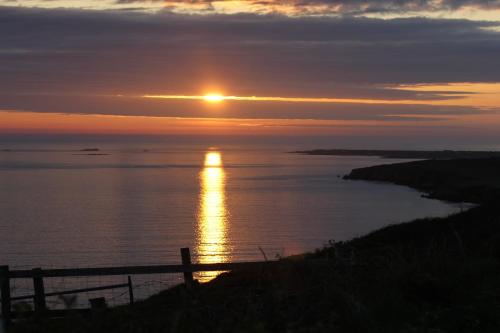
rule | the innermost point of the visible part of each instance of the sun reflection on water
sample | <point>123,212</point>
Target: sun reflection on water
<point>212,214</point>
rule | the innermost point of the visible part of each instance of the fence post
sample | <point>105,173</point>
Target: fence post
<point>5,290</point>
<point>186,262</point>
<point>39,300</point>
<point>130,290</point>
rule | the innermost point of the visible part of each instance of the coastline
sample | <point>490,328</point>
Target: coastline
<point>458,180</point>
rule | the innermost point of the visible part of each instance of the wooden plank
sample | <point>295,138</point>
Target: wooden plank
<point>6,298</point>
<point>137,270</point>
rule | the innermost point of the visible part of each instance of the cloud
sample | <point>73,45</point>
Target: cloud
<point>58,53</point>
<point>135,106</point>
<point>290,7</point>
<point>351,7</point>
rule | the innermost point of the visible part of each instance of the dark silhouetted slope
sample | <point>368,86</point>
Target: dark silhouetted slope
<point>470,180</point>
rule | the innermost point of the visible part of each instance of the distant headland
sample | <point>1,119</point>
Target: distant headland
<point>457,180</point>
<point>410,154</point>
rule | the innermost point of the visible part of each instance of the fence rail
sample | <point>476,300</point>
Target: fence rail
<point>134,270</point>
<point>74,291</point>
<point>38,275</point>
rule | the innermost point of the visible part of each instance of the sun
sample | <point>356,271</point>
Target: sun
<point>213,98</point>
<point>213,159</point>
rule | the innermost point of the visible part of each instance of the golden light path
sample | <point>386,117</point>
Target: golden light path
<point>212,214</point>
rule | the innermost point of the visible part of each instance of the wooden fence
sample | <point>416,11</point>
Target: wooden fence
<point>38,275</point>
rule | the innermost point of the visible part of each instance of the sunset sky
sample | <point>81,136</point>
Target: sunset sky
<point>319,67</point>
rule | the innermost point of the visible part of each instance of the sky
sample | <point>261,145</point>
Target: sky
<point>403,68</point>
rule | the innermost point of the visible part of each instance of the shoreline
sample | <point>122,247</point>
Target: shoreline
<point>457,180</point>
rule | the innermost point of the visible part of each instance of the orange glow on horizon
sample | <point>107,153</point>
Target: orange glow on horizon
<point>485,95</point>
<point>60,123</point>
<point>57,123</point>
<point>219,98</point>
<point>473,94</point>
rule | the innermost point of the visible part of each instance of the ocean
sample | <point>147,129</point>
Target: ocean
<point>122,203</point>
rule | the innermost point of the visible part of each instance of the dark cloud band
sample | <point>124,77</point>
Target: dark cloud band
<point>83,52</point>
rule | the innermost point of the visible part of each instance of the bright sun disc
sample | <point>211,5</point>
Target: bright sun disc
<point>213,159</point>
<point>213,98</point>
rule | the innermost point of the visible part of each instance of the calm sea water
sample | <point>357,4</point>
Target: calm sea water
<point>61,207</point>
